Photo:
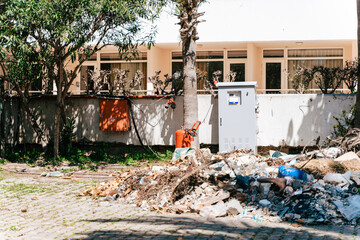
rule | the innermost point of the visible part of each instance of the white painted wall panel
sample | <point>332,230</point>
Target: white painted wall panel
<point>293,120</point>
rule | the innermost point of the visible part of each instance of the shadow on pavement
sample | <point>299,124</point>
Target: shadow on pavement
<point>176,227</point>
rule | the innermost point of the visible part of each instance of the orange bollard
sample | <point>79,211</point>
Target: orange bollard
<point>180,134</point>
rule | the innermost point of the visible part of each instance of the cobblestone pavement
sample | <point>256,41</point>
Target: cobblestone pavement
<point>47,208</point>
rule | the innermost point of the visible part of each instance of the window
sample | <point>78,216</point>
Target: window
<point>201,55</point>
<point>111,61</point>
<point>132,67</point>
<point>308,58</point>
<point>239,69</point>
<point>209,55</point>
<point>273,53</point>
<point>273,76</point>
<point>237,54</point>
<point>206,67</point>
<point>315,52</point>
<point>91,58</point>
<point>236,61</point>
<point>86,83</point>
<point>207,62</point>
<point>116,56</point>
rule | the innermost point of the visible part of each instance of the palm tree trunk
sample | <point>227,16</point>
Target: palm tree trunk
<point>190,85</point>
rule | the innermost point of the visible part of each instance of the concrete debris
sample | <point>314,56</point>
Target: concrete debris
<point>337,178</point>
<point>212,211</point>
<point>309,188</point>
<point>352,210</point>
<point>349,156</point>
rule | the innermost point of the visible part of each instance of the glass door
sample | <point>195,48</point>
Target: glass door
<point>274,75</point>
<point>86,81</point>
<point>235,72</point>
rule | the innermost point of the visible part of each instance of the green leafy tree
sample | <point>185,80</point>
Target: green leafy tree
<point>188,14</point>
<point>20,67</point>
<point>50,35</point>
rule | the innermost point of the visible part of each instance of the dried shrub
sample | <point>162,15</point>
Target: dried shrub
<point>327,79</point>
<point>350,74</point>
<point>120,85</point>
<point>301,79</point>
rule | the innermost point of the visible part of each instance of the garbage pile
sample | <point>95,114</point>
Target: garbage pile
<point>318,187</point>
<point>350,142</point>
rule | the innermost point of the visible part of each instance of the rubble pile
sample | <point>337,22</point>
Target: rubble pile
<point>350,142</point>
<point>318,187</point>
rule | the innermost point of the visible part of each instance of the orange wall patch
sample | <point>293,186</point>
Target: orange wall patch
<point>114,115</point>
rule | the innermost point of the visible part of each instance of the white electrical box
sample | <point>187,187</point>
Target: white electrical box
<point>237,118</point>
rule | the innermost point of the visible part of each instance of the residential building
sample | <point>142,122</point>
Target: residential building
<point>262,41</point>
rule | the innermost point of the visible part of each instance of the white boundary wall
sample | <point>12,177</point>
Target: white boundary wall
<point>282,120</point>
<point>297,119</point>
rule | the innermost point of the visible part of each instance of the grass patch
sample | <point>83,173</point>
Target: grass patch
<point>89,159</point>
<point>21,188</point>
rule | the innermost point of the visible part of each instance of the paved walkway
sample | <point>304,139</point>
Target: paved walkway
<point>48,208</point>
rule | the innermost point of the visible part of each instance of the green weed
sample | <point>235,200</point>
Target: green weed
<point>344,122</point>
<point>22,188</point>
<point>89,159</point>
<point>14,228</point>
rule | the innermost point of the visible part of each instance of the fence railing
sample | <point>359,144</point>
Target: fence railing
<point>292,91</point>
<point>201,92</point>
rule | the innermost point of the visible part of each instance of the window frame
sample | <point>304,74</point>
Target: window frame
<point>98,62</point>
<point>226,61</point>
<point>287,59</point>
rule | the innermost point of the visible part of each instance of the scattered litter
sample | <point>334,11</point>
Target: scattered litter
<point>318,187</point>
<point>294,173</point>
<point>52,174</point>
<point>265,202</point>
<point>104,204</point>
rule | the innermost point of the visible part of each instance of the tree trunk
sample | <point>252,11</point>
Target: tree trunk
<point>190,85</point>
<point>57,123</point>
<point>357,113</point>
<point>2,118</point>
<point>59,112</point>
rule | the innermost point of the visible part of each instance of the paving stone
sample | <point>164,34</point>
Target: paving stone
<point>59,214</point>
